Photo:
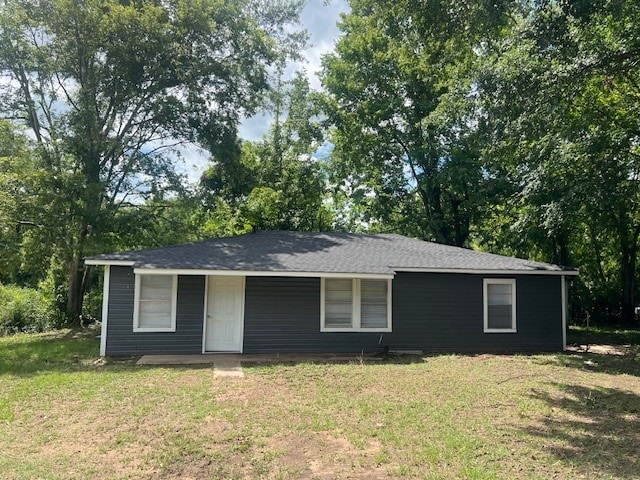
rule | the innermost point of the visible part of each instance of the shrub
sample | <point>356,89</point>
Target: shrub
<point>24,310</point>
<point>92,305</point>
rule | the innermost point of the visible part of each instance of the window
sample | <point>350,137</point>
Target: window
<point>354,304</point>
<point>155,303</point>
<point>338,303</point>
<point>373,304</point>
<point>499,305</point>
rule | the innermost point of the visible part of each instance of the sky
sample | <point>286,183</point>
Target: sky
<point>319,18</point>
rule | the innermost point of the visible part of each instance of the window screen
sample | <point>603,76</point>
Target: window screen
<point>500,306</point>
<point>373,304</point>
<point>155,307</point>
<point>338,294</point>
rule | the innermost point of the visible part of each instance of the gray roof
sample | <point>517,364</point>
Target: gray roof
<point>278,251</point>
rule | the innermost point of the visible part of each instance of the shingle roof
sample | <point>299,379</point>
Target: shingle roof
<point>278,251</point>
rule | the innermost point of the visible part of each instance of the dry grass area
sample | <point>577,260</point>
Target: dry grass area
<point>65,415</point>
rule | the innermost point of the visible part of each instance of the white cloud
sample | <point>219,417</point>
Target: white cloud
<point>253,128</point>
<point>195,160</point>
<point>319,18</point>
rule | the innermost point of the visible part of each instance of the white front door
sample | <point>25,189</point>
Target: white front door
<point>225,305</point>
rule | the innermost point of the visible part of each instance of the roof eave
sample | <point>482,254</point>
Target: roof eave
<point>272,273</point>
<point>100,261</point>
<point>147,269</point>
<point>488,271</point>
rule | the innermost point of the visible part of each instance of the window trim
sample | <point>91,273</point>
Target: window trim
<point>136,305</point>
<point>356,307</point>
<point>485,300</point>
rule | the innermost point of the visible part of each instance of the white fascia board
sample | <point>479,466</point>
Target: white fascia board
<point>115,263</point>
<point>486,272</point>
<point>563,295</point>
<point>257,273</point>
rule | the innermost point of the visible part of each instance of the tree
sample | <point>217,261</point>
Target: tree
<point>401,98</point>
<point>110,88</point>
<point>18,180</point>
<point>561,101</point>
<point>276,183</point>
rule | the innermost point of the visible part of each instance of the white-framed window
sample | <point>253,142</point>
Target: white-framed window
<point>499,298</point>
<point>355,304</point>
<point>155,299</point>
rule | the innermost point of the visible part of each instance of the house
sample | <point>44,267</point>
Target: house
<point>274,291</point>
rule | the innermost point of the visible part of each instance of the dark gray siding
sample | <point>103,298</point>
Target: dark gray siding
<point>431,312</point>
<point>121,340</point>
<point>444,312</point>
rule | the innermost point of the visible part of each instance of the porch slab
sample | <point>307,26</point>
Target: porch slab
<point>175,360</point>
<point>224,358</point>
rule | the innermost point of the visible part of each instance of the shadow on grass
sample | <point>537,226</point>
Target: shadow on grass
<point>292,360</point>
<point>78,351</point>
<point>71,350</point>
<point>595,429</point>
<point>593,362</point>
<point>66,354</point>
<point>603,335</point>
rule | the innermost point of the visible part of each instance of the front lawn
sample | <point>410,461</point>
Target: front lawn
<point>66,415</point>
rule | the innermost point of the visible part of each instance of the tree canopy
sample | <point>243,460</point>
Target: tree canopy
<point>277,183</point>
<point>506,126</point>
<point>108,89</point>
<point>404,131</point>
<point>560,94</point>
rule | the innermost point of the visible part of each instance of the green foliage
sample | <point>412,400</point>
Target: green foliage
<point>507,126</point>
<point>603,335</point>
<point>219,219</point>
<point>24,255</point>
<point>92,305</point>
<point>108,89</point>
<point>277,183</point>
<point>406,137</point>
<point>560,95</point>
<point>52,286</point>
<point>24,310</point>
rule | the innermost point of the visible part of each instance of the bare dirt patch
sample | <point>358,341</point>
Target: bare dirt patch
<point>318,455</point>
<point>324,455</point>
<point>619,350</point>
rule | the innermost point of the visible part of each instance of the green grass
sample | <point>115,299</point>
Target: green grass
<point>603,335</point>
<point>64,414</point>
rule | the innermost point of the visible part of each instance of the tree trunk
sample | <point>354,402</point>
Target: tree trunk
<point>75,292</point>
<point>628,278</point>
<point>76,277</point>
<point>460,222</point>
<point>560,254</point>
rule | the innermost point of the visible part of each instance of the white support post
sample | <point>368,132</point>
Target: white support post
<point>563,286</point>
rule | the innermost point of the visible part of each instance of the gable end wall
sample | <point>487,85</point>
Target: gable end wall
<point>187,339</point>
